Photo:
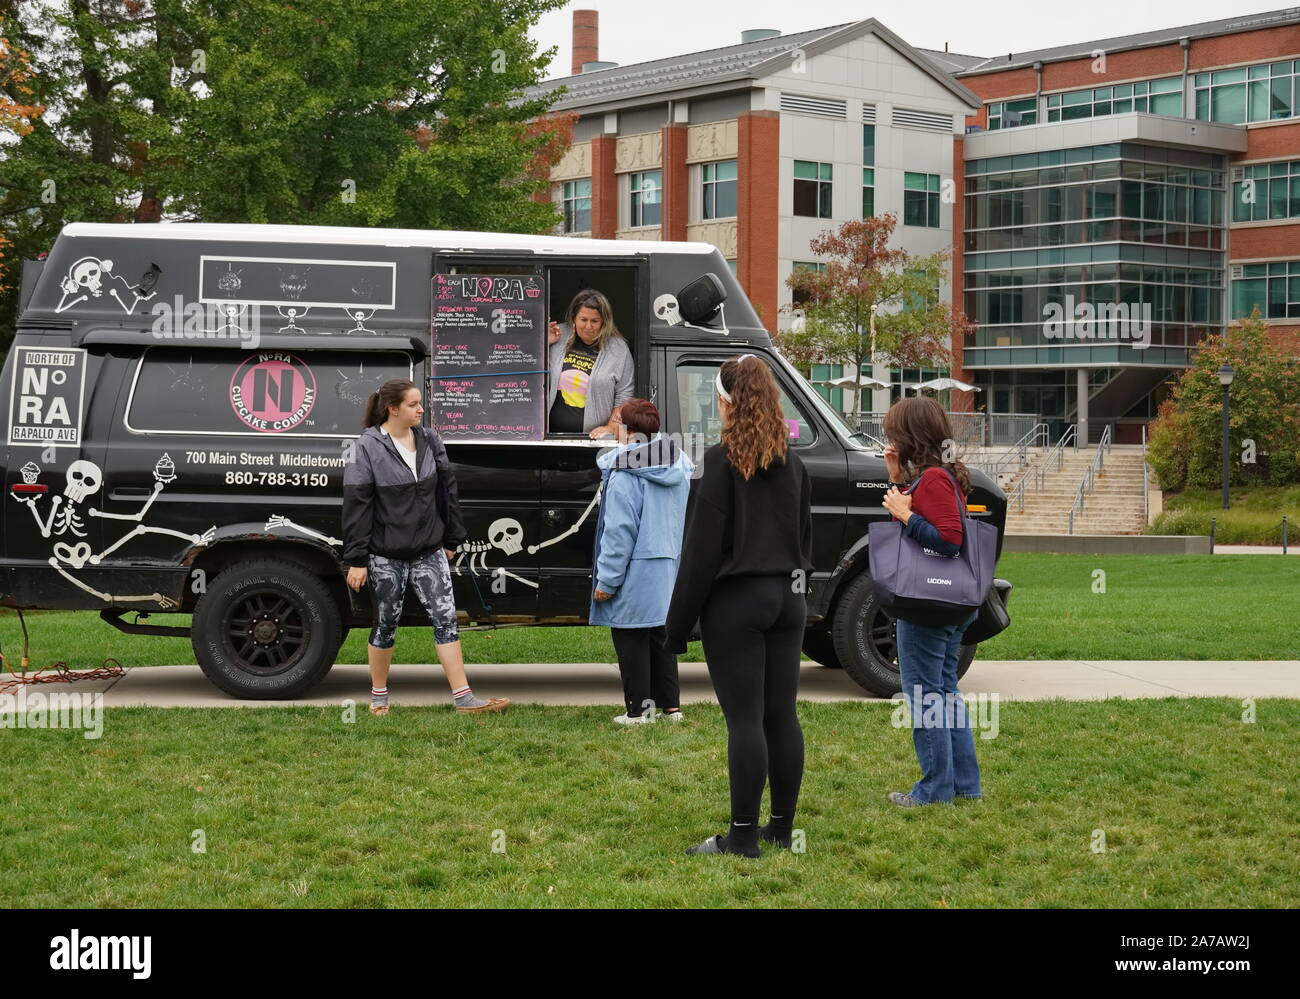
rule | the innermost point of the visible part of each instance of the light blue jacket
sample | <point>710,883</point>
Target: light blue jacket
<point>644,489</point>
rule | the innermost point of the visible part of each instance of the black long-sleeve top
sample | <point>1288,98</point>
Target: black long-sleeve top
<point>735,527</point>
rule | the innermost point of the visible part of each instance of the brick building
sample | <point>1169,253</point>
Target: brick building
<point>1157,172</point>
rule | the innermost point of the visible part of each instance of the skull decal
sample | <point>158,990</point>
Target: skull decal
<point>83,479</point>
<point>507,534</point>
<point>666,309</point>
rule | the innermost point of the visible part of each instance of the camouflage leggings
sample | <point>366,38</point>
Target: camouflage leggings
<point>430,577</point>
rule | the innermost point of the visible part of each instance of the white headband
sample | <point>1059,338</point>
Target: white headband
<point>717,379</point>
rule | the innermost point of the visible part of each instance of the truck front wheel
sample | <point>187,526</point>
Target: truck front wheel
<point>865,642</point>
<point>266,630</point>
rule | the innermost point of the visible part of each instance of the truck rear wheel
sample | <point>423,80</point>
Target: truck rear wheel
<point>266,630</point>
<point>866,645</point>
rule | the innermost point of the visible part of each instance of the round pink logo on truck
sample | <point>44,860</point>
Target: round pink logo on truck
<point>273,392</point>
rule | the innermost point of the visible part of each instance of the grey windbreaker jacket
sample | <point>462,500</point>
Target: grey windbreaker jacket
<point>387,511</point>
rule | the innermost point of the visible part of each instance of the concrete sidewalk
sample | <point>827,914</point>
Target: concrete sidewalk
<point>598,683</point>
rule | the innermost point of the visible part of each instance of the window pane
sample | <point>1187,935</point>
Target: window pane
<point>1280,98</point>
<point>805,198</point>
<point>869,144</point>
<point>698,402</point>
<point>725,199</point>
<point>1229,104</point>
<point>321,391</point>
<point>824,201</point>
<point>803,170</point>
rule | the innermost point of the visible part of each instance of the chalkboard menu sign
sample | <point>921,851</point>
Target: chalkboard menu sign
<point>488,369</point>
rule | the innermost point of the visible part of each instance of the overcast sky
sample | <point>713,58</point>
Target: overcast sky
<point>636,30</point>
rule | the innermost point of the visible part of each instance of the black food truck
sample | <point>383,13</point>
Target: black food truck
<point>182,399</point>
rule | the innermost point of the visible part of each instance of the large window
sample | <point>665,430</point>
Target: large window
<point>1268,191</point>
<point>719,189</point>
<point>1155,96</point>
<point>1009,114</point>
<point>577,205</point>
<point>823,373</point>
<point>1274,287</point>
<point>697,398</point>
<point>643,208</point>
<point>868,171</point>
<point>295,393</point>
<point>1267,92</point>
<point>800,298</point>
<point>1055,231</point>
<point>921,199</point>
<point>812,189</point>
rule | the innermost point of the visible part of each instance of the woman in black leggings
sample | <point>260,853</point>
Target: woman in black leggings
<point>745,556</point>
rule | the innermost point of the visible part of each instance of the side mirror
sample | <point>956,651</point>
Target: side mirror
<point>700,300</point>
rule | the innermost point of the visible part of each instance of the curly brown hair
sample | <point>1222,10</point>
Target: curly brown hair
<point>756,434</point>
<point>919,429</point>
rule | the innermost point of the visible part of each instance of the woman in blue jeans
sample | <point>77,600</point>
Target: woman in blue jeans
<point>928,495</point>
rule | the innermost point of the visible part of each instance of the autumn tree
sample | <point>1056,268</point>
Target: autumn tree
<point>913,326</point>
<point>407,113</point>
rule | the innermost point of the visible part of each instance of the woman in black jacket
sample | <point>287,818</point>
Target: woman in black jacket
<point>402,523</point>
<point>745,558</point>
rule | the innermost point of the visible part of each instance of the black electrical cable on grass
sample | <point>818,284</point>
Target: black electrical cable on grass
<point>61,674</point>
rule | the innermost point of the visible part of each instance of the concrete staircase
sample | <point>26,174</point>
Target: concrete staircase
<point>1115,506</point>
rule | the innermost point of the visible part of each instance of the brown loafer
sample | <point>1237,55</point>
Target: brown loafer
<point>493,704</point>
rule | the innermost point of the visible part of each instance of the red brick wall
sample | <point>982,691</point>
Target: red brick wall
<point>758,171</point>
<point>1157,60</point>
<point>1271,142</point>
<point>676,194</point>
<point>604,188</point>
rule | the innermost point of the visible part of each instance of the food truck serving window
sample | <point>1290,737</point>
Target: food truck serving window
<point>295,393</point>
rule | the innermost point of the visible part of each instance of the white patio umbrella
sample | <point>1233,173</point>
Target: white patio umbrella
<point>863,381</point>
<point>939,384</point>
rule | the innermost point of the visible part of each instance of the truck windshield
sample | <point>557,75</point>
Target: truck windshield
<point>851,435</point>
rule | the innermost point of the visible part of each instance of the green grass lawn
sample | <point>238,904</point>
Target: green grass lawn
<point>297,808</point>
<point>1153,607</point>
<point>1254,518</point>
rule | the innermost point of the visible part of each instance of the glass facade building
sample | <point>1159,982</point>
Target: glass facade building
<point>1080,232</point>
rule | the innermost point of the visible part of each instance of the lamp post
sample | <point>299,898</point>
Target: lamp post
<point>1225,379</point>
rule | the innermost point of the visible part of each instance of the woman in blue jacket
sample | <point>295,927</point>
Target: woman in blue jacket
<point>645,484</point>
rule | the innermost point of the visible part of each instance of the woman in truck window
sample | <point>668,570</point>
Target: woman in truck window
<point>645,484</point>
<point>591,370</point>
<point>928,495</point>
<point>402,523</point>
<point>745,559</point>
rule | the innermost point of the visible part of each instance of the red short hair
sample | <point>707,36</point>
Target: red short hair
<point>640,416</point>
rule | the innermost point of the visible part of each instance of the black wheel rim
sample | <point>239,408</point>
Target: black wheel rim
<point>882,636</point>
<point>265,631</point>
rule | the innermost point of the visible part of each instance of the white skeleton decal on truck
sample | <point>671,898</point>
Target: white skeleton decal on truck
<point>82,480</point>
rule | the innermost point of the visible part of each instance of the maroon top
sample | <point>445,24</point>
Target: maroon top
<point>934,497</point>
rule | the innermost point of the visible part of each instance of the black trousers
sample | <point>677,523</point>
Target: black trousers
<point>648,669</point>
<point>752,628</point>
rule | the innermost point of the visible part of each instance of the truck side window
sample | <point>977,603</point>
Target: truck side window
<point>178,390</point>
<point>697,398</point>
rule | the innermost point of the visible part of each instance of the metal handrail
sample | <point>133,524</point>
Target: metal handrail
<point>1058,450</point>
<point>1037,437</point>
<point>1089,477</point>
<point>1146,489</point>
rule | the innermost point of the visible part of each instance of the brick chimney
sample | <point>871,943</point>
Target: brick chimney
<point>586,38</point>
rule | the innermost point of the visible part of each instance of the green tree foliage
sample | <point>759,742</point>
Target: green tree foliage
<point>406,113</point>
<point>1264,415</point>
<point>913,326</point>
